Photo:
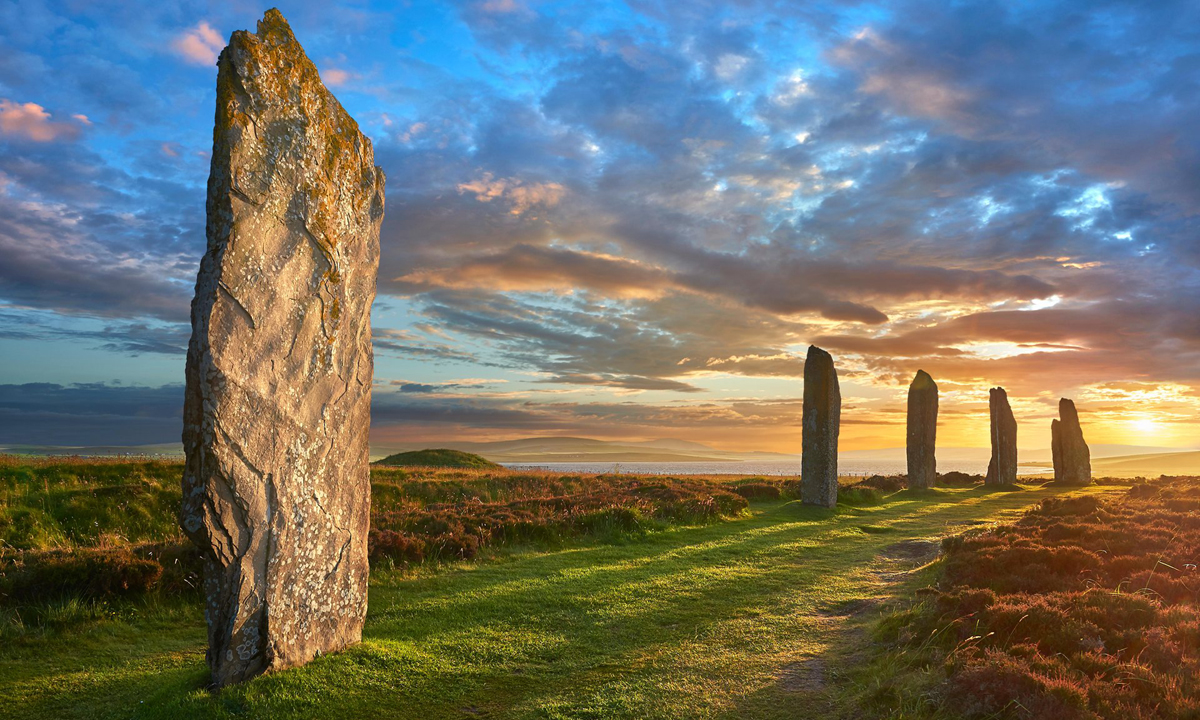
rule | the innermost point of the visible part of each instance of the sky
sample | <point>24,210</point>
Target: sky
<point>629,220</point>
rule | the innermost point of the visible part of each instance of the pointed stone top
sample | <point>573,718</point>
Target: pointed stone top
<point>1067,411</point>
<point>273,21</point>
<point>999,391</point>
<point>923,380</point>
<point>814,351</point>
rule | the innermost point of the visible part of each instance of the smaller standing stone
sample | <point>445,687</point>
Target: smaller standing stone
<point>922,431</point>
<point>1002,470</point>
<point>1056,448</point>
<point>1072,459</point>
<point>822,420</point>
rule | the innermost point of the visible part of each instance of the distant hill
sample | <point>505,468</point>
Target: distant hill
<point>437,457</point>
<point>574,449</point>
<point>1149,465</point>
<point>163,450</point>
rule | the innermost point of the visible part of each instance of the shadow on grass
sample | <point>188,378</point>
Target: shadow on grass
<point>688,621</point>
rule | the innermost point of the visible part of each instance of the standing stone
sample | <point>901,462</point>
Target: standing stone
<point>922,431</point>
<point>1072,458</point>
<point>276,490</point>
<point>1056,448</point>
<point>822,420</point>
<point>1002,470</point>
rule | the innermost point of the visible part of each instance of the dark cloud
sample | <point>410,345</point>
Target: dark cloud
<point>90,414</point>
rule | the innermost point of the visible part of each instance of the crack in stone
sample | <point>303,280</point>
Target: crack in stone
<point>237,303</point>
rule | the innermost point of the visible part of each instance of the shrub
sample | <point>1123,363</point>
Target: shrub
<point>398,546</point>
<point>958,479</point>
<point>858,495</point>
<point>886,483</point>
<point>86,573</point>
<point>1084,608</point>
<point>758,491</point>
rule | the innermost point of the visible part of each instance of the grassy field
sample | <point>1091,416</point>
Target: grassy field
<point>761,616</point>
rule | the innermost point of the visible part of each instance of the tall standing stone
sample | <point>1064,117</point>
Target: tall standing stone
<point>1056,448</point>
<point>922,431</point>
<point>1002,470</point>
<point>276,490</point>
<point>1072,458</point>
<point>822,421</point>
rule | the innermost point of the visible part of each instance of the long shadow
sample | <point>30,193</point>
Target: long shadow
<point>570,624</point>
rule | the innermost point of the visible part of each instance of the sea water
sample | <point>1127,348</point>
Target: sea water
<point>751,467</point>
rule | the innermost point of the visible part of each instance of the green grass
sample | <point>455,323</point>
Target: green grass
<point>61,502</point>
<point>437,457</point>
<point>720,621</point>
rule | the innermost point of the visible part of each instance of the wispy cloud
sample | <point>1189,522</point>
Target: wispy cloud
<point>199,45</point>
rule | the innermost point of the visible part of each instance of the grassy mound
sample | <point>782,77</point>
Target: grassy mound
<point>1085,608</point>
<point>437,457</point>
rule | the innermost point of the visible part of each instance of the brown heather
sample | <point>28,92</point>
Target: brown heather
<point>1084,608</point>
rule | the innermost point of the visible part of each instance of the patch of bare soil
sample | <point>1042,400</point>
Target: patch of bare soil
<point>913,551</point>
<point>807,675</point>
<point>851,608</point>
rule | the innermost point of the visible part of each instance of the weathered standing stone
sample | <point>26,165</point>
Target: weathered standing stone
<point>1002,470</point>
<point>1056,448</point>
<point>922,431</point>
<point>1072,458</point>
<point>822,420</point>
<point>276,490</point>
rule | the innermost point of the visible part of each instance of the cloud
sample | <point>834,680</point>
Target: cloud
<point>30,121</point>
<point>125,338</point>
<point>90,414</point>
<point>335,77</point>
<point>672,202</point>
<point>521,196</point>
<point>199,45</point>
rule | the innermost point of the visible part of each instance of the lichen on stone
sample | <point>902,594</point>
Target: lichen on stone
<point>276,486</point>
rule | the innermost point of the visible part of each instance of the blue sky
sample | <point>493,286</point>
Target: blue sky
<point>629,220</point>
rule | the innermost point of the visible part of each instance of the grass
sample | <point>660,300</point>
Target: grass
<point>437,457</point>
<point>1086,607</point>
<point>742,618</point>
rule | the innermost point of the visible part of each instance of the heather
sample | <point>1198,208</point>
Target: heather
<point>1086,607</point>
<point>106,528</point>
<point>639,603</point>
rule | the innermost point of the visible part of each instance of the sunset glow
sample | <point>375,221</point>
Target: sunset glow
<point>623,222</point>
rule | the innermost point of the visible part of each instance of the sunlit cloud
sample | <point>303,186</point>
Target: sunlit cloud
<point>199,45</point>
<point>30,121</point>
<point>520,195</point>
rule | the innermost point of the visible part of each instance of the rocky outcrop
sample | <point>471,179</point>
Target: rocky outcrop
<point>1002,470</point>
<point>822,420</point>
<point>276,490</point>
<point>1072,458</point>
<point>922,431</point>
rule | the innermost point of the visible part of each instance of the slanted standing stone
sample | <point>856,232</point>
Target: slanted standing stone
<point>922,431</point>
<point>1002,470</point>
<point>1072,458</point>
<point>276,490</point>
<point>822,420</point>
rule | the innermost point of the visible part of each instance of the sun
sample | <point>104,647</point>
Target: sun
<point>1145,425</point>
